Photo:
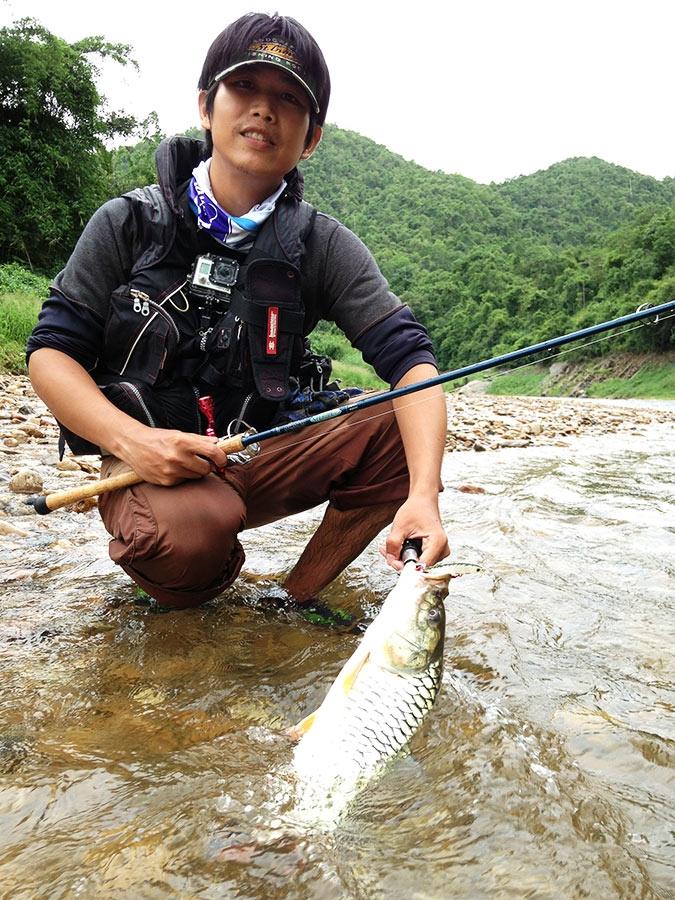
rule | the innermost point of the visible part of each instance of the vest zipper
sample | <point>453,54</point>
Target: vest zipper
<point>199,418</point>
<point>142,304</point>
<point>236,423</point>
<point>137,394</point>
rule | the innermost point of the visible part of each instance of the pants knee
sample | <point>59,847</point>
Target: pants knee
<point>178,543</point>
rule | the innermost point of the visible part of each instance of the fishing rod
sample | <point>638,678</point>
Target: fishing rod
<point>251,439</point>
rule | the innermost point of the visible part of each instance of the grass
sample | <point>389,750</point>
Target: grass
<point>352,374</point>
<point>525,383</point>
<point>21,294</point>
<point>653,382</point>
<point>18,314</point>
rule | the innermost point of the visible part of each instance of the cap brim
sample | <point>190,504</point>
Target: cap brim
<point>264,62</point>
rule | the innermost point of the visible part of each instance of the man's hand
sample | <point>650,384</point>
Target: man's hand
<point>422,423</point>
<point>417,518</point>
<point>164,456</point>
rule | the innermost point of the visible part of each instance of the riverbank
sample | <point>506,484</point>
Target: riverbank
<point>483,422</point>
<point>28,434</point>
<point>617,376</point>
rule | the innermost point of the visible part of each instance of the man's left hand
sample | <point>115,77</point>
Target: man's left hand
<point>417,518</point>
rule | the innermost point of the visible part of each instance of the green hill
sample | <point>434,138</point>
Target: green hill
<point>579,200</point>
<point>489,268</point>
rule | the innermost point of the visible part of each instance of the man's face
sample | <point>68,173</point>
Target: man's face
<point>259,124</point>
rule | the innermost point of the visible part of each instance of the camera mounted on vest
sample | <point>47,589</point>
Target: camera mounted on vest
<point>212,278</point>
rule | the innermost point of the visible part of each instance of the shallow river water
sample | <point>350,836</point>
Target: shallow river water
<point>143,755</point>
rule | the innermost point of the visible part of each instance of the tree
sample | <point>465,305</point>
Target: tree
<point>53,124</point>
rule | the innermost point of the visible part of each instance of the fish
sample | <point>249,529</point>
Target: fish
<point>378,701</point>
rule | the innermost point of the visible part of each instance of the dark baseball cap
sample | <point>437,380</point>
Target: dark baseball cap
<point>273,51</point>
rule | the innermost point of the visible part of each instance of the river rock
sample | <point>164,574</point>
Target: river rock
<point>68,464</point>
<point>26,481</point>
<point>474,387</point>
<point>32,430</point>
<point>558,368</point>
<point>6,528</point>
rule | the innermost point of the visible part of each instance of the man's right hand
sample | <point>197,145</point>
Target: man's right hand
<point>164,456</point>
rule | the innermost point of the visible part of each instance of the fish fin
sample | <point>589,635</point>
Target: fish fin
<point>352,673</point>
<point>301,729</point>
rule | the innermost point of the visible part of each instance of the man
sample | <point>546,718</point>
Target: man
<point>130,337</point>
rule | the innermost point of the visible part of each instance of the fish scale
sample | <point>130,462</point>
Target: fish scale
<point>377,702</point>
<point>370,734</point>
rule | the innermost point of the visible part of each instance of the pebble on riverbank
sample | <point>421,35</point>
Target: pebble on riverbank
<point>482,422</point>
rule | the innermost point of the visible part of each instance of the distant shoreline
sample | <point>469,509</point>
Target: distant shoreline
<point>477,422</point>
<point>486,422</point>
<point>620,376</point>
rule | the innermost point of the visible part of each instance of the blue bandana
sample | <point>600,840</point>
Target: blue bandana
<point>237,232</point>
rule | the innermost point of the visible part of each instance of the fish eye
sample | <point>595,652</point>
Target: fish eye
<point>434,615</point>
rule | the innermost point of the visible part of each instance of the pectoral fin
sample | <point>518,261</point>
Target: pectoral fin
<point>344,682</point>
<point>442,571</point>
<point>351,672</point>
<point>301,729</point>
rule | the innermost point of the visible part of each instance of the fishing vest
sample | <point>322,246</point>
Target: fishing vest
<point>159,354</point>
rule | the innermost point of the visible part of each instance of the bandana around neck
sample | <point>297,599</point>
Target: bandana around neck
<point>237,232</point>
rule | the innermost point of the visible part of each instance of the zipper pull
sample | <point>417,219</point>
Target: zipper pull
<point>144,307</point>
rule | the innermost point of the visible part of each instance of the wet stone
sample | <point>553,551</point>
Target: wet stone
<point>12,752</point>
<point>6,528</point>
<point>26,481</point>
<point>67,464</point>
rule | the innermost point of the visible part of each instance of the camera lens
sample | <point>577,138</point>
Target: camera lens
<point>223,272</point>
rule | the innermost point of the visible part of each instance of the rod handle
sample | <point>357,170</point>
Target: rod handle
<point>46,504</point>
<point>50,502</point>
<point>411,550</point>
<point>232,444</point>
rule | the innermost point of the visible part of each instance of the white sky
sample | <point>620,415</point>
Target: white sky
<point>485,88</point>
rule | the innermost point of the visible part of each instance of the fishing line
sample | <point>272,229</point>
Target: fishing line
<point>414,402</point>
<point>605,337</point>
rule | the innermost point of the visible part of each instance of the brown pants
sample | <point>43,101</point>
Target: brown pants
<point>180,543</point>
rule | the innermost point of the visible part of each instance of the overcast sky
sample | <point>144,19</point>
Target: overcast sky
<point>490,89</point>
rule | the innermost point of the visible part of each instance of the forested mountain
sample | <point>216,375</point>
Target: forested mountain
<point>569,203</point>
<point>575,200</point>
<point>488,268</point>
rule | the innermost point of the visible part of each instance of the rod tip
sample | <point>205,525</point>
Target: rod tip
<point>39,504</point>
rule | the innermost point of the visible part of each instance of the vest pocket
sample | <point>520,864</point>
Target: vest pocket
<point>140,336</point>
